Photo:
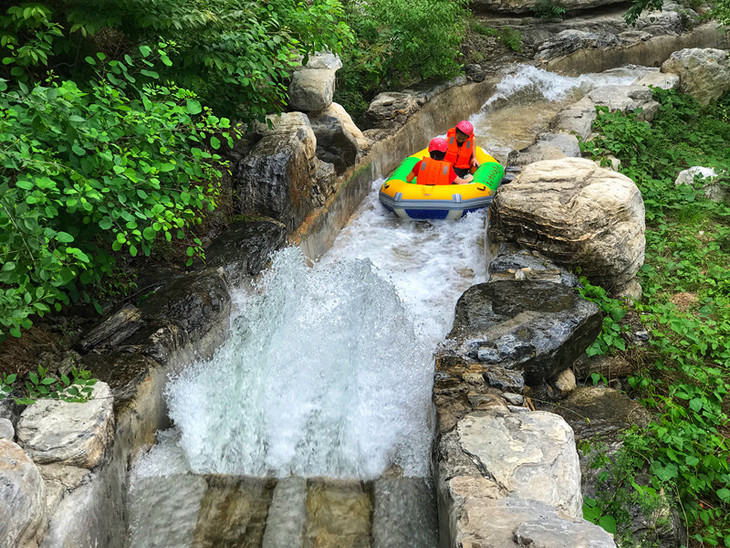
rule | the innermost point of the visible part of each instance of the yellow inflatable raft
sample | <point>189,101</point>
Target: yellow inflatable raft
<point>414,201</point>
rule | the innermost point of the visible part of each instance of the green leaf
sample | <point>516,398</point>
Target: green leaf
<point>105,223</point>
<point>724,494</point>
<point>215,143</point>
<point>33,377</point>
<point>145,51</point>
<point>608,523</point>
<point>64,237</point>
<point>48,381</point>
<point>194,106</point>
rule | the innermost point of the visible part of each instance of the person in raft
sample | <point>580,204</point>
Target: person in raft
<point>461,148</point>
<point>434,170</point>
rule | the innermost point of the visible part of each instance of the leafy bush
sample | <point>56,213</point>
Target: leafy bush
<point>685,450</point>
<point>85,174</point>
<point>76,388</point>
<point>548,9</point>
<point>512,38</point>
<point>235,55</point>
<point>398,42</point>
<point>610,338</point>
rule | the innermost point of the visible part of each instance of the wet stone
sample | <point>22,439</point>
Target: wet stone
<point>504,379</point>
<point>233,512</point>
<point>514,399</point>
<point>404,513</point>
<point>338,514</point>
<point>287,515</point>
<point>518,409</point>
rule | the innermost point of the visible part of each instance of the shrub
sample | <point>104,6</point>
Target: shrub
<point>235,55</point>
<point>399,42</point>
<point>89,173</point>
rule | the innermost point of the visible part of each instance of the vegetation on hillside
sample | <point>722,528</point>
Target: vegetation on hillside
<point>685,371</point>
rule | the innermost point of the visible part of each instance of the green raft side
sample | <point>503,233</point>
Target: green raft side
<point>404,169</point>
<point>488,174</point>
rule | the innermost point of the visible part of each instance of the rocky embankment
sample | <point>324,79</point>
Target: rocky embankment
<point>506,475</point>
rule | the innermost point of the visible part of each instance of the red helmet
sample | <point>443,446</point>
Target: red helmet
<point>465,127</point>
<point>438,144</point>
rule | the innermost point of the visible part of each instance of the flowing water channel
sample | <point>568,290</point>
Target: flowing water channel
<point>314,420</point>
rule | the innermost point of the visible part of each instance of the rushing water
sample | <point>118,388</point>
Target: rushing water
<point>328,369</point>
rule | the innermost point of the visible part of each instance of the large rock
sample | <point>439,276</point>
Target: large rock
<point>548,146</point>
<point>478,517</point>
<point>570,40</point>
<point>276,178</point>
<point>704,73</point>
<point>536,327</point>
<point>390,110</point>
<point>339,141</point>
<point>184,310</point>
<point>75,434</point>
<point>626,99</point>
<point>576,214</point>
<point>244,249</point>
<point>529,455</point>
<point>22,496</point>
<point>311,89</point>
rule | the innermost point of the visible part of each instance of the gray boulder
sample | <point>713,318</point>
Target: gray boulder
<point>576,214</point>
<point>538,328</point>
<point>524,264</point>
<point>529,455</point>
<point>75,434</point>
<point>390,110</point>
<point>339,141</point>
<point>548,146</point>
<point>571,40</point>
<point>277,176</point>
<point>704,73</point>
<point>22,497</point>
<point>311,89</point>
<point>626,99</point>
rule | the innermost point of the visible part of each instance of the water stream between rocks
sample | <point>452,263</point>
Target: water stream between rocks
<point>312,424</point>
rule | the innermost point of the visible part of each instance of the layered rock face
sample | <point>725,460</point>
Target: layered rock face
<point>578,215</point>
<point>536,328</point>
<point>527,6</point>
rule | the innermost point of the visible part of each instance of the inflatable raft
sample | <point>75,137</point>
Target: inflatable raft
<point>414,201</point>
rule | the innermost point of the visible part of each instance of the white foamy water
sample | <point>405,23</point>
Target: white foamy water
<point>322,375</point>
<point>328,370</point>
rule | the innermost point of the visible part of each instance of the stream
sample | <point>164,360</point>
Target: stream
<point>328,372</point>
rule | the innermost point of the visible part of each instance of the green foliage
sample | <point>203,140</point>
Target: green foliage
<point>6,384</point>
<point>613,310</point>
<point>548,9</point>
<point>87,174</point>
<point>398,42</point>
<point>78,388</point>
<point>512,38</point>
<point>639,6</point>
<point>684,451</point>
<point>235,55</point>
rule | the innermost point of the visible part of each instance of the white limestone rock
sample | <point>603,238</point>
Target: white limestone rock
<point>659,80</point>
<point>704,73</point>
<point>577,215</point>
<point>530,455</point>
<point>22,497</point>
<point>311,89</point>
<point>75,434</point>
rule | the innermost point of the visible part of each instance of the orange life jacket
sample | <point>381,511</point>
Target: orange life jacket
<point>433,172</point>
<point>460,156</point>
